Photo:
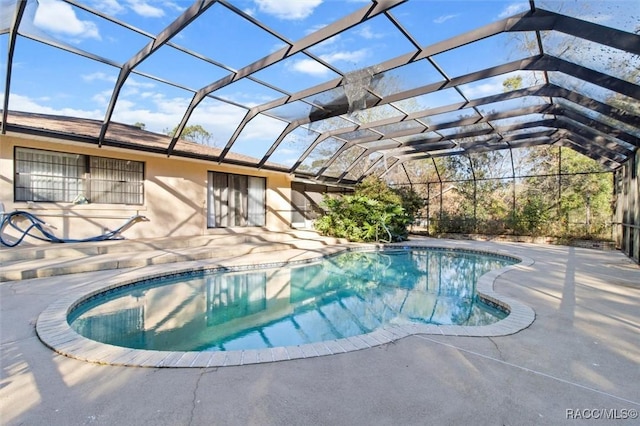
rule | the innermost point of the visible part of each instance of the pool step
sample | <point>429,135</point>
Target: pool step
<point>74,250</point>
<point>62,259</point>
<point>224,237</point>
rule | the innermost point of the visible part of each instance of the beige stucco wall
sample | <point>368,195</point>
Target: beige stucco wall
<point>175,191</point>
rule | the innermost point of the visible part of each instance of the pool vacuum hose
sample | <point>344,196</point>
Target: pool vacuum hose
<point>38,224</point>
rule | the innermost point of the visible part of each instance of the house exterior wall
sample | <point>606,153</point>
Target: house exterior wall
<point>306,201</point>
<point>175,194</point>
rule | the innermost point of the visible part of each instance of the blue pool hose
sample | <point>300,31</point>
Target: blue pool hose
<point>39,224</point>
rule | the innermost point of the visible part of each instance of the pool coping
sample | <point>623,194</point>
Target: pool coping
<point>54,331</point>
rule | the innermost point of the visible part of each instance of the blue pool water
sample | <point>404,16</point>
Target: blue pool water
<point>339,296</point>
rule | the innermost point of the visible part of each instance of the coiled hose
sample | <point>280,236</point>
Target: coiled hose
<point>35,223</point>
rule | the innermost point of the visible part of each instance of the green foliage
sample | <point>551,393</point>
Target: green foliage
<point>565,194</point>
<point>578,205</point>
<point>513,83</point>
<point>377,189</point>
<point>412,202</point>
<point>374,212</point>
<point>455,223</point>
<point>195,133</point>
<point>532,217</point>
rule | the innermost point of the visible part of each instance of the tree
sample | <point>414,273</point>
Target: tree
<point>195,133</point>
<point>586,195</point>
<point>512,83</point>
<point>571,197</point>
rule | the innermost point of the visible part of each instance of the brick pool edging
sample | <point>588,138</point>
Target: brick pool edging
<point>54,331</point>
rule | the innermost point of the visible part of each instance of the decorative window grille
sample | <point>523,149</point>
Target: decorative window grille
<point>115,181</point>
<point>49,176</point>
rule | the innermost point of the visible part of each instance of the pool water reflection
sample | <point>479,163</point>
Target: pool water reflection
<point>339,296</point>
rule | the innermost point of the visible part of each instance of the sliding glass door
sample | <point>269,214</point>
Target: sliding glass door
<point>236,200</point>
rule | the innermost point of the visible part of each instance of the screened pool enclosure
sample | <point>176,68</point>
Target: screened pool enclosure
<point>492,111</point>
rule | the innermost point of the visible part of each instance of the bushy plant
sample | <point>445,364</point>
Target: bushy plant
<point>374,212</point>
<point>532,218</point>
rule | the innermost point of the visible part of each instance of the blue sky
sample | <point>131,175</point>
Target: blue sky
<point>49,80</point>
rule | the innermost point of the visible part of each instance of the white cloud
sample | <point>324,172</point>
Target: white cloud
<point>176,105</point>
<point>110,7</point>
<point>513,9</point>
<point>158,112</point>
<point>345,56</point>
<point>219,119</point>
<point>288,152</point>
<point>484,89</point>
<point>180,6</point>
<point>25,103</point>
<point>143,8</point>
<point>444,18</point>
<point>493,85</point>
<point>129,91</point>
<point>127,111</point>
<point>368,33</point>
<point>260,132</point>
<point>133,87</point>
<point>160,115</point>
<point>102,98</point>
<point>153,121</point>
<point>132,82</point>
<point>124,105</point>
<point>248,99</point>
<point>309,66</point>
<point>288,9</point>
<point>99,76</point>
<point>60,18</point>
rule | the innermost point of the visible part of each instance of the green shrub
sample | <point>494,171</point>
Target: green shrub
<point>374,212</point>
<point>532,218</point>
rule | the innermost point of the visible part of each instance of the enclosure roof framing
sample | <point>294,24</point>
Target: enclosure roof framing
<point>562,79</point>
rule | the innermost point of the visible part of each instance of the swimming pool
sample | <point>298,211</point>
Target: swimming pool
<point>54,331</point>
<point>337,297</point>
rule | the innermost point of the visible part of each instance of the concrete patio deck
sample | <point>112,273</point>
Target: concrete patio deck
<point>578,362</point>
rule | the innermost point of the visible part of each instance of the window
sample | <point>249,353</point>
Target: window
<point>49,176</point>
<point>116,181</point>
<point>235,200</point>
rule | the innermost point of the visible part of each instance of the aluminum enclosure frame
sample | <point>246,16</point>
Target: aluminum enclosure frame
<point>612,141</point>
